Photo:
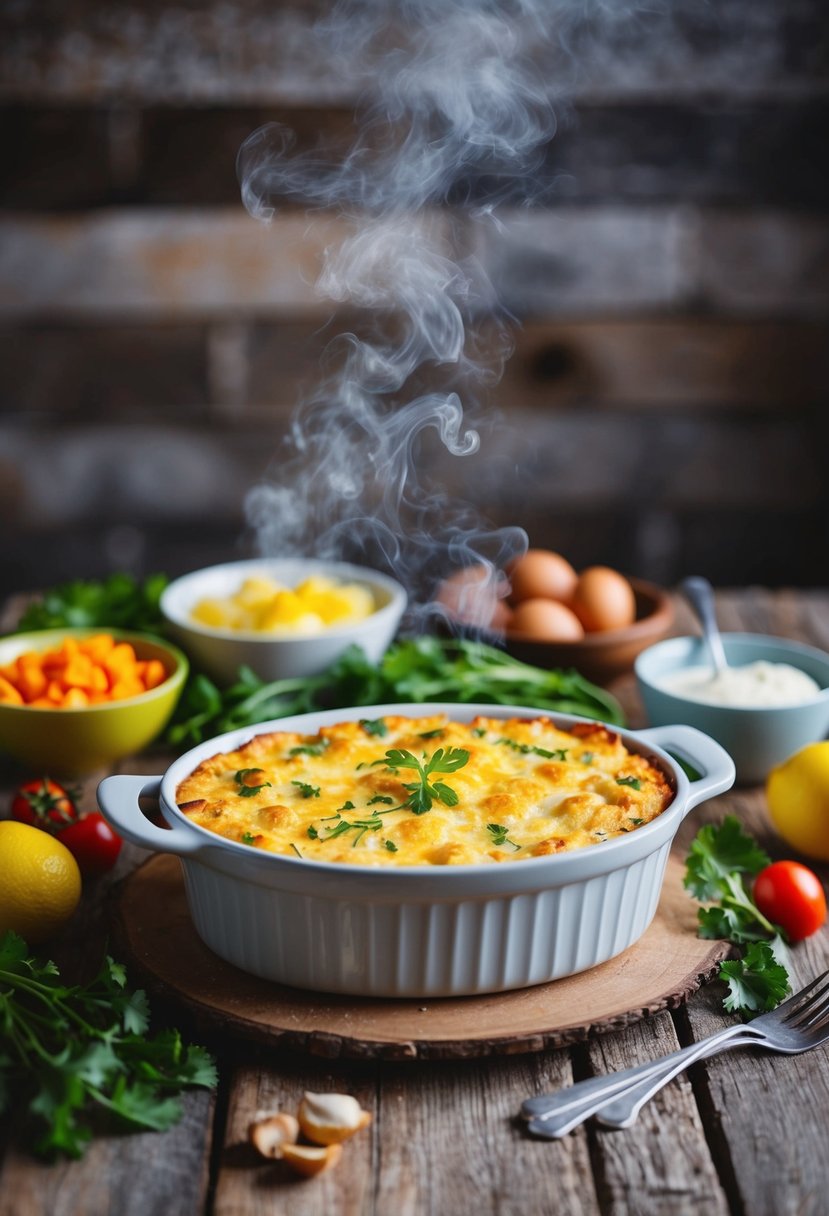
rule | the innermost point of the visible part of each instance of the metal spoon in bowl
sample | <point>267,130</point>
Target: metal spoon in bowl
<point>700,595</point>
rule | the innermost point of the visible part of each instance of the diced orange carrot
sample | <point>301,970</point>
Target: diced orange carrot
<point>9,693</point>
<point>100,680</point>
<point>154,674</point>
<point>31,682</point>
<point>125,688</point>
<point>74,698</point>
<point>98,646</point>
<point>78,672</point>
<point>54,692</point>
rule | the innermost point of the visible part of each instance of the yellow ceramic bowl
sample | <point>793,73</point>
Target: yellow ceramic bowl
<point>74,741</point>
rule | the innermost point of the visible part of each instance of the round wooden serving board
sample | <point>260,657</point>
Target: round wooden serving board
<point>662,969</point>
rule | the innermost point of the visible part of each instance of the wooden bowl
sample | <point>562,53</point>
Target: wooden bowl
<point>600,657</point>
<point>603,656</point>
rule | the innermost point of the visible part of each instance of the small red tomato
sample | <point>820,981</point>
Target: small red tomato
<point>44,804</point>
<point>791,896</point>
<point>92,843</point>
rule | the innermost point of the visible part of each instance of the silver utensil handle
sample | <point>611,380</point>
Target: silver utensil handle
<point>554,1115</point>
<point>623,1110</point>
<point>700,594</point>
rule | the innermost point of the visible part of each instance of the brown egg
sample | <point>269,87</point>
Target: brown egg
<point>471,595</point>
<point>603,599</point>
<point>546,621</point>
<point>541,573</point>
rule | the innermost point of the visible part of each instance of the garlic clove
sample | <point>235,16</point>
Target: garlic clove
<point>269,1133</point>
<point>331,1118</point>
<point>310,1159</point>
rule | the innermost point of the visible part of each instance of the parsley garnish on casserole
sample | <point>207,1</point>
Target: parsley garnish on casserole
<point>428,791</point>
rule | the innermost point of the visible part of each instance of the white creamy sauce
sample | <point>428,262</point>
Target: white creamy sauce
<point>755,686</point>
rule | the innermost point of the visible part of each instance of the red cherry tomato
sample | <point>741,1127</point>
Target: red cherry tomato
<point>92,843</point>
<point>44,804</point>
<point>791,896</point>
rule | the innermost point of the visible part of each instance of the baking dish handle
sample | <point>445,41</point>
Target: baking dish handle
<point>118,799</point>
<point>690,746</point>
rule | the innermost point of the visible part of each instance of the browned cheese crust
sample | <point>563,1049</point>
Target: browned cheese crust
<point>426,791</point>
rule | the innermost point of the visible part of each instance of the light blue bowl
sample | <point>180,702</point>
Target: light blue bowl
<point>757,739</point>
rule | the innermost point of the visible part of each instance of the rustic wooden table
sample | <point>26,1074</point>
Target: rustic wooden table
<point>744,1133</point>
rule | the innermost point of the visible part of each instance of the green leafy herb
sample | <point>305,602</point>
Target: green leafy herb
<point>423,792</point>
<point>720,866</point>
<point>118,602</point>
<point>586,757</point>
<point>248,782</point>
<point>248,838</point>
<point>756,982</point>
<point>635,821</point>
<point>71,1051</point>
<point>372,823</point>
<point>633,782</point>
<point>310,749</point>
<point>421,669</point>
<point>527,749</point>
<point>306,790</point>
<point>312,832</point>
<point>391,846</point>
<point>346,806</point>
<point>374,726</point>
<point>380,798</point>
<point>479,731</point>
<point>500,835</point>
<point>432,734</point>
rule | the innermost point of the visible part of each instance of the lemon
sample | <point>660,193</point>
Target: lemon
<point>40,883</point>
<point>797,792</point>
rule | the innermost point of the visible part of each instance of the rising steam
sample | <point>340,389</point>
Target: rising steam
<point>454,113</point>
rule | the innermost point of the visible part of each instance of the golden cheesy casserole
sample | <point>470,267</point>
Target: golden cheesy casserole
<point>426,791</point>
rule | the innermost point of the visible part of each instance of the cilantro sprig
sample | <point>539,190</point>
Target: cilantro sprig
<point>423,792</point>
<point>720,866</point>
<point>73,1053</point>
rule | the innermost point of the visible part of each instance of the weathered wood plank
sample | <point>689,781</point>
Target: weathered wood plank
<point>249,1186</point>
<point>251,372</point>
<point>260,53</point>
<point>575,462</point>
<point>662,1164</point>
<point>452,1142</point>
<point>545,263</point>
<point>130,1175</point>
<point>107,372</point>
<point>172,156</point>
<point>637,363</point>
<point>577,261</point>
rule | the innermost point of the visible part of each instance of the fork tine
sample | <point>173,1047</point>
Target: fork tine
<point>782,1011</point>
<point>798,1009</point>
<point>810,1014</point>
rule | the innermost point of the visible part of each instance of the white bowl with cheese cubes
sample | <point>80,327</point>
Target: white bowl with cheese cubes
<point>286,618</point>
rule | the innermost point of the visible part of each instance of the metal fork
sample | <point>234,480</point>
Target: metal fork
<point>796,1025</point>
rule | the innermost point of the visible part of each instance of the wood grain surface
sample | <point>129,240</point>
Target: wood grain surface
<point>742,1134</point>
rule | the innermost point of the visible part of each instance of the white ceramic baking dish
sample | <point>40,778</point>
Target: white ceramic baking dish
<point>424,931</point>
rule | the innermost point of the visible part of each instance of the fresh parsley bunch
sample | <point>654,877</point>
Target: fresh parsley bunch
<point>71,1054</point>
<point>119,602</point>
<point>417,669</point>
<point>720,866</point>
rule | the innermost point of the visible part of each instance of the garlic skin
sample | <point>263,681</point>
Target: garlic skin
<point>309,1159</point>
<point>270,1133</point>
<point>331,1118</point>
